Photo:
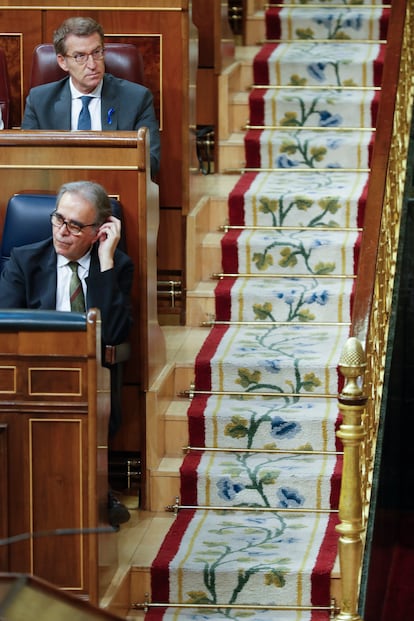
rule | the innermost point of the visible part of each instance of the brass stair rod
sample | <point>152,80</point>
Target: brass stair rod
<point>248,227</point>
<point>311,128</point>
<point>177,507</point>
<point>292,170</point>
<point>233,393</point>
<point>146,605</point>
<point>263,324</point>
<point>210,449</point>
<point>315,5</point>
<point>219,276</point>
<point>339,41</point>
<point>299,87</point>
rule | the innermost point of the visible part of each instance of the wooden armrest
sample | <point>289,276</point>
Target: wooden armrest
<point>117,353</point>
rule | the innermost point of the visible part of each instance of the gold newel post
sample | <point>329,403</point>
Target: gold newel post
<point>351,404</point>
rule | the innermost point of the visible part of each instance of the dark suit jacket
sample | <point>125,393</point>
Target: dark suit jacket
<point>29,280</point>
<point>126,106</point>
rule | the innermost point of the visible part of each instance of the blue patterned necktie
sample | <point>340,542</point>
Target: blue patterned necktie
<point>77,300</point>
<point>84,120</point>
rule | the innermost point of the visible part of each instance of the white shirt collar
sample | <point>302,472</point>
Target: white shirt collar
<point>77,94</point>
<point>84,261</point>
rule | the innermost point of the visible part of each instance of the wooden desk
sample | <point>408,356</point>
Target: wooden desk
<point>54,412</point>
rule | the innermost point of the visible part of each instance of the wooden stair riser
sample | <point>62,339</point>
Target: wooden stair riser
<point>164,488</point>
<point>238,112</point>
<point>201,305</point>
<point>255,29</point>
<point>209,258</point>
<point>176,428</point>
<point>207,216</point>
<point>231,155</point>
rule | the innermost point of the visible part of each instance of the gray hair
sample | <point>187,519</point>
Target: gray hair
<point>78,26</point>
<point>92,192</point>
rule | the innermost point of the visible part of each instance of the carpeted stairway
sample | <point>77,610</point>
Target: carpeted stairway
<point>261,484</point>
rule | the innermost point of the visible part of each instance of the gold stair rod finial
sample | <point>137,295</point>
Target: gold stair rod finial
<point>352,403</point>
<point>352,365</point>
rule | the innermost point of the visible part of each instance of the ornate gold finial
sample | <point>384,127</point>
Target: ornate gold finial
<point>352,365</point>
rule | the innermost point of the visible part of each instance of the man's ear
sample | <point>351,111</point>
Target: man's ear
<point>62,62</point>
<point>96,236</point>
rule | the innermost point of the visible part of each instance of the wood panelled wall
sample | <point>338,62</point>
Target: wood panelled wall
<point>215,53</point>
<point>160,29</point>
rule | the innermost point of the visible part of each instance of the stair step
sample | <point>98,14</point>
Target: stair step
<point>208,215</point>
<point>238,111</point>
<point>164,484</point>
<point>255,28</point>
<point>208,256</point>
<point>231,153</point>
<point>245,56</point>
<point>176,428</point>
<point>138,542</point>
<point>201,303</point>
<point>241,72</point>
<point>254,5</point>
<point>146,551</point>
<point>183,344</point>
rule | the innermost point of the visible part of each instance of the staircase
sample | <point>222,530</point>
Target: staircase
<point>166,411</point>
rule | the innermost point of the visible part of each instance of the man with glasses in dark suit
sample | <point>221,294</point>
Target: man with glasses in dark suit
<point>79,267</point>
<point>89,98</point>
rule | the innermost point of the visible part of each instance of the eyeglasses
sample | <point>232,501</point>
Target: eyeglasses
<point>75,228</point>
<point>82,59</point>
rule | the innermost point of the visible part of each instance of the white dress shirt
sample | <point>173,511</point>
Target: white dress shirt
<point>64,274</point>
<point>94,106</point>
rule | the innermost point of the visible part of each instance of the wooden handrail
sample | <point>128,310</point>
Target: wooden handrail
<point>377,182</point>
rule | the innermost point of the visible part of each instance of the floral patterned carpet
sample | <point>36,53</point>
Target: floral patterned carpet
<point>264,413</point>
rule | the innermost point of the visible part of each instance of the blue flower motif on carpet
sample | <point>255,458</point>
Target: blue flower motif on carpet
<point>282,428</point>
<point>227,489</point>
<point>320,298</point>
<point>289,498</point>
<point>317,71</point>
<point>295,300</point>
<point>326,119</point>
<point>286,162</point>
<point>273,366</point>
<point>335,24</point>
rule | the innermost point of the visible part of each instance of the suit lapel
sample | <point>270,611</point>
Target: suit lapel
<point>62,115</point>
<point>109,105</point>
<point>44,279</point>
<point>94,268</point>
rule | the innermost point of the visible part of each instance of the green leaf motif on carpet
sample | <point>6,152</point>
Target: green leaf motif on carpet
<point>289,257</point>
<point>214,560</point>
<point>301,149</point>
<point>251,381</point>
<point>279,211</point>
